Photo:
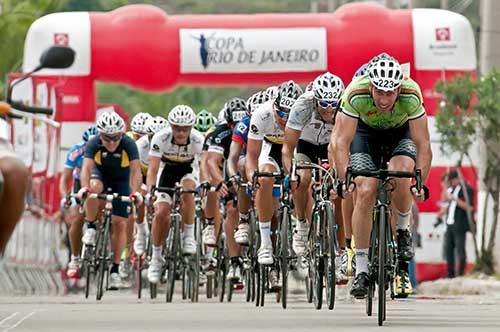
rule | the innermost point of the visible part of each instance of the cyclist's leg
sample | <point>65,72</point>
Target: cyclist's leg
<point>141,228</point>
<point>188,182</point>
<point>92,207</point>
<point>244,205</point>
<point>12,197</point>
<point>365,154</point>
<point>302,200</point>
<point>119,226</point>
<point>265,209</point>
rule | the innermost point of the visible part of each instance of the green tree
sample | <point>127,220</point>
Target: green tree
<point>469,114</point>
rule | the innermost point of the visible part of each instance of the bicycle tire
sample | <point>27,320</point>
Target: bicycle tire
<point>103,259</point>
<point>86,267</point>
<point>173,255</point>
<point>284,251</point>
<point>139,276</point>
<point>382,252</point>
<point>197,260</point>
<point>372,270</point>
<point>209,286</point>
<point>153,290</point>
<point>230,288</point>
<point>262,286</point>
<point>332,254</point>
<point>185,283</point>
<point>222,279</point>
<point>317,261</point>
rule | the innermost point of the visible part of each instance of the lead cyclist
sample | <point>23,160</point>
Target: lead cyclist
<point>382,119</point>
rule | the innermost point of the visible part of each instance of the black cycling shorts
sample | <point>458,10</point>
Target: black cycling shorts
<point>312,151</point>
<point>372,149</point>
<point>121,187</point>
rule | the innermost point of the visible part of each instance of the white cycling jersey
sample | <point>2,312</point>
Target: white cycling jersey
<point>143,146</point>
<point>305,118</point>
<point>263,125</point>
<point>163,146</point>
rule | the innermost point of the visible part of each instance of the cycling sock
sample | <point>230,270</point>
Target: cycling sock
<point>302,224</point>
<point>141,228</point>
<point>90,224</point>
<point>114,268</point>
<point>348,243</point>
<point>157,251</point>
<point>265,233</point>
<point>189,230</point>
<point>244,218</point>
<point>404,266</point>
<point>403,220</point>
<point>75,257</point>
<point>209,221</point>
<point>125,253</point>
<point>361,261</point>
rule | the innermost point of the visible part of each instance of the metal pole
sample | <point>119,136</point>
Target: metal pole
<point>314,6</point>
<point>444,4</point>
<point>332,5</point>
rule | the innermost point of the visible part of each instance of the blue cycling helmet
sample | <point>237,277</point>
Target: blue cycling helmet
<point>87,134</point>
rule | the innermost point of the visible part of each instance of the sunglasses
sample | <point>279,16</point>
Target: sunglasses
<point>283,114</point>
<point>111,138</point>
<point>325,103</point>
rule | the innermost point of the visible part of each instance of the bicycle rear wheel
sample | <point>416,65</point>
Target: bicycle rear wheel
<point>382,272</point>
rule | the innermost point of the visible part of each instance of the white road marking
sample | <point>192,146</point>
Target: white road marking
<point>21,320</point>
<point>8,318</point>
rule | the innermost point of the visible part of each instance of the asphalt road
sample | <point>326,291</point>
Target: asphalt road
<point>121,311</point>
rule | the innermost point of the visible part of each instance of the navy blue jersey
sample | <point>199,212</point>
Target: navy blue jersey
<point>114,166</point>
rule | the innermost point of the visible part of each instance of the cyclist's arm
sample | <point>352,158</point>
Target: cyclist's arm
<point>420,135</point>
<point>87,166</point>
<point>154,166</point>
<point>135,176</point>
<point>204,174</point>
<point>214,159</point>
<point>291,138</point>
<point>342,142</point>
<point>234,156</point>
<point>66,176</point>
<point>253,151</point>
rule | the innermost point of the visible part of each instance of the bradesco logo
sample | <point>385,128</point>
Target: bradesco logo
<point>443,34</point>
<point>251,50</point>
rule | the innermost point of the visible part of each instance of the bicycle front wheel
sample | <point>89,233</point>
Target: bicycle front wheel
<point>382,272</point>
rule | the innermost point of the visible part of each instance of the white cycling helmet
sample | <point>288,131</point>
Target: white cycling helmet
<point>272,92</point>
<point>221,117</point>
<point>288,92</point>
<point>309,86</point>
<point>328,87</point>
<point>385,74</point>
<point>182,115</point>
<point>255,100</point>
<point>138,123</point>
<point>110,123</point>
<point>234,110</point>
<point>155,124</point>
